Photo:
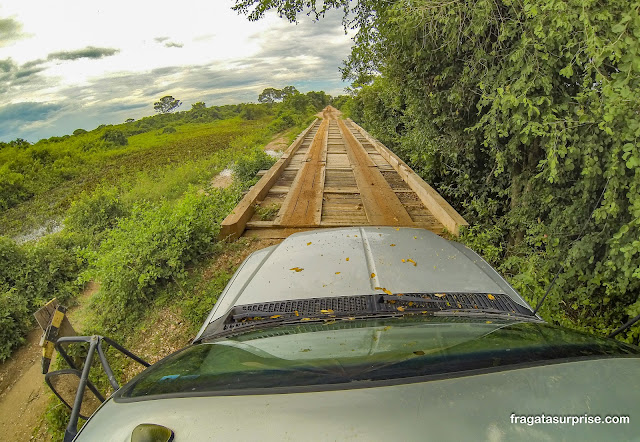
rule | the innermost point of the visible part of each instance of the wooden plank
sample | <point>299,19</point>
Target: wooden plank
<point>234,223</point>
<point>303,205</point>
<point>382,206</point>
<point>440,208</point>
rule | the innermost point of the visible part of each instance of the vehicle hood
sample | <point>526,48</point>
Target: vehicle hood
<point>359,261</point>
<point>464,408</point>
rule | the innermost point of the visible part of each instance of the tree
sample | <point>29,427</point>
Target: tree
<point>166,104</point>
<point>270,95</point>
<point>289,91</point>
<point>198,106</point>
<point>129,120</point>
<point>79,132</point>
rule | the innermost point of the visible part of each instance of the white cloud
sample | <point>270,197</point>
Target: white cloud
<point>194,50</point>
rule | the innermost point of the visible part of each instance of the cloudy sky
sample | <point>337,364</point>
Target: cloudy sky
<point>78,64</point>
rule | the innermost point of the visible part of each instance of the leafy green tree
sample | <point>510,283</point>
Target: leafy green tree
<point>129,120</point>
<point>166,104</point>
<point>289,91</point>
<point>79,132</point>
<point>198,106</point>
<point>270,95</point>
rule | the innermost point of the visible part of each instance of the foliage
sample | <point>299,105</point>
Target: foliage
<point>166,104</point>
<point>247,166</point>
<point>116,137</point>
<point>522,114</point>
<point>270,95</point>
<point>152,247</point>
<point>94,213</point>
<point>29,276</point>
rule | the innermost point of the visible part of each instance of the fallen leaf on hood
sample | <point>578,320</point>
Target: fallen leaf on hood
<point>297,269</point>
<point>326,312</point>
<point>491,297</point>
<point>276,316</point>
<point>412,261</point>
<point>309,243</point>
<point>392,245</point>
<point>337,273</point>
<point>400,309</point>
<point>439,295</point>
<point>373,275</point>
<point>347,259</point>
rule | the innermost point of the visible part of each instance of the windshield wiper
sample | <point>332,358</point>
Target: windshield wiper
<point>269,314</point>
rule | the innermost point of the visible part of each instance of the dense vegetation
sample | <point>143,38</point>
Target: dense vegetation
<point>137,205</point>
<point>524,115</point>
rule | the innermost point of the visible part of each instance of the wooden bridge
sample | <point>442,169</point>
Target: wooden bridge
<point>335,175</point>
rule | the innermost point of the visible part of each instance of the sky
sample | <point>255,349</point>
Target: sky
<point>78,64</point>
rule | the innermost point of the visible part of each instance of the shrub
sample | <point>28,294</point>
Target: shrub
<point>115,137</point>
<point>152,247</point>
<point>248,165</point>
<point>14,321</point>
<point>169,130</point>
<point>95,212</point>
<point>79,132</point>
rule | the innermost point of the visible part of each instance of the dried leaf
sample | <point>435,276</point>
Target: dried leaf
<point>297,269</point>
<point>296,312</point>
<point>276,316</point>
<point>373,275</point>
<point>309,243</point>
<point>392,245</point>
<point>419,353</point>
<point>347,259</point>
<point>401,309</point>
<point>412,261</point>
<point>337,273</point>
<point>489,322</point>
<point>440,295</point>
<point>404,260</point>
<point>491,297</point>
<point>326,312</point>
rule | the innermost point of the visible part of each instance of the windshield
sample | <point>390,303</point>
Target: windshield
<point>348,352</point>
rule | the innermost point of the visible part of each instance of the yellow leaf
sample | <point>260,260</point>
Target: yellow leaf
<point>386,328</point>
<point>440,295</point>
<point>415,237</point>
<point>412,261</point>
<point>306,319</point>
<point>373,275</point>
<point>297,269</point>
<point>491,297</point>
<point>309,243</point>
<point>276,316</point>
<point>404,260</point>
<point>387,291</point>
<point>326,312</point>
<point>351,318</point>
<point>489,322</point>
<point>337,273</point>
<point>296,312</point>
<point>400,309</point>
<point>393,245</point>
<point>377,288</point>
<point>347,259</point>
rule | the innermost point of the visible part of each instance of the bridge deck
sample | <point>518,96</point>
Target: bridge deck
<point>335,175</point>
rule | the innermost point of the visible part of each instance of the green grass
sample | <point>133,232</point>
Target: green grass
<point>166,163</point>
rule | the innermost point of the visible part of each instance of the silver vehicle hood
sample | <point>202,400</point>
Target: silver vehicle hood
<point>359,261</point>
<point>466,408</point>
